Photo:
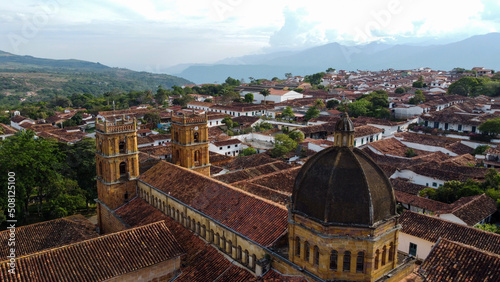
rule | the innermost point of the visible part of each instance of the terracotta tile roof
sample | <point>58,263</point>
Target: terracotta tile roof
<point>432,228</point>
<point>92,260</point>
<point>201,104</point>
<point>161,150</point>
<point>406,186</point>
<point>201,261</point>
<point>394,147</point>
<point>215,133</point>
<point>243,162</point>
<point>274,275</point>
<point>282,181</point>
<point>241,107</point>
<point>452,261</point>
<point>215,169</point>
<point>260,220</point>
<point>263,191</point>
<point>138,212</point>
<point>219,159</point>
<point>462,160</point>
<point>447,171</point>
<point>5,129</point>
<point>473,209</point>
<point>62,135</point>
<point>227,142</point>
<point>18,118</point>
<point>252,172</point>
<point>454,145</point>
<point>49,234</point>
<point>365,130</point>
<point>421,202</point>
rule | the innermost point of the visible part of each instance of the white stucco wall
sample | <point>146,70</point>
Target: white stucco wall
<point>423,247</point>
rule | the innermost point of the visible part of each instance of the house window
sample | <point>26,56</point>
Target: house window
<point>235,146</point>
<point>413,250</point>
<point>434,184</point>
<point>459,127</point>
<point>347,261</point>
<point>220,148</point>
<point>360,262</point>
<point>229,147</point>
<point>333,260</point>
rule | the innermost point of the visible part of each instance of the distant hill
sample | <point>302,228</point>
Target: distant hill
<point>478,51</point>
<point>27,77</point>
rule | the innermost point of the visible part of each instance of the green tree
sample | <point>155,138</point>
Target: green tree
<point>288,75</point>
<point>314,79</point>
<point>418,98</point>
<point>312,112</point>
<point>80,158</point>
<point>248,98</point>
<point>479,150</point>
<point>359,108</point>
<point>287,113</point>
<point>232,82</point>
<point>489,227</point>
<point>467,86</point>
<point>161,95</point>
<point>152,117</point>
<point>265,93</point>
<point>37,164</point>
<point>296,135</point>
<point>228,122</point>
<point>330,70</point>
<point>319,104</point>
<point>400,90</point>
<point>491,126</point>
<point>330,104</point>
<point>248,151</point>
<point>282,145</point>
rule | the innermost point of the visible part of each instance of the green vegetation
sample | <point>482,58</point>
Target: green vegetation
<point>475,86</point>
<point>52,179</point>
<point>372,105</point>
<point>296,136</point>
<point>312,112</point>
<point>287,113</point>
<point>489,227</point>
<point>410,153</point>
<point>418,98</point>
<point>479,150</point>
<point>332,104</point>
<point>454,190</point>
<point>248,151</point>
<point>282,145</point>
<point>248,98</point>
<point>491,126</point>
<point>314,79</point>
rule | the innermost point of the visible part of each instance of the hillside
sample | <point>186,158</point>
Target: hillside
<point>476,51</point>
<point>37,79</point>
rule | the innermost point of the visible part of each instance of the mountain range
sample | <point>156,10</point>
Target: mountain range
<point>36,79</point>
<point>479,50</point>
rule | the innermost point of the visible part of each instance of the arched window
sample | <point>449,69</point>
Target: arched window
<point>333,260</point>
<point>316,255</point>
<point>193,224</point>
<point>391,252</point>
<point>360,262</point>
<point>121,147</point>
<point>197,156</point>
<point>297,246</point>
<point>198,228</point>
<point>217,239</point>
<point>384,255</point>
<point>238,253</point>
<point>123,169</point>
<point>347,261</point>
<point>377,253</point>
<point>223,245</point>
<point>230,247</point>
<point>196,137</point>
<point>100,169</point>
<point>211,236</point>
<point>245,257</point>
<point>306,251</point>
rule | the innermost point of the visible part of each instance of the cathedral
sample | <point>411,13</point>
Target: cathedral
<point>339,224</point>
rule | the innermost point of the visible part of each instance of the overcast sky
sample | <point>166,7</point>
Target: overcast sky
<point>154,34</point>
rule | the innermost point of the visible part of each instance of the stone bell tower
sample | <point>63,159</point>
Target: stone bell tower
<point>117,163</point>
<point>190,142</point>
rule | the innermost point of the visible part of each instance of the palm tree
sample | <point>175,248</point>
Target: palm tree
<point>265,93</point>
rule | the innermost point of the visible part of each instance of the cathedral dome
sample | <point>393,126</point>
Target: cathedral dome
<point>342,185</point>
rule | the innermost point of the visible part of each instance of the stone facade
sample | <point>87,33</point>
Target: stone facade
<point>322,249</point>
<point>190,142</point>
<point>117,164</point>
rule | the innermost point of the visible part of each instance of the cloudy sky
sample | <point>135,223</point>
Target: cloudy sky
<point>152,35</point>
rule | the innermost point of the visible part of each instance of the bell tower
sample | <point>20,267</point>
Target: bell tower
<point>117,162</point>
<point>190,142</point>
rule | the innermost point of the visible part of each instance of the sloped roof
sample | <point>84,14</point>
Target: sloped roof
<point>473,209</point>
<point>92,260</point>
<point>49,234</point>
<point>453,261</point>
<point>432,228</point>
<point>260,220</point>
